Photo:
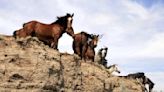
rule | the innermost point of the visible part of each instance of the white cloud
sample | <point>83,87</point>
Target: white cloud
<point>153,48</point>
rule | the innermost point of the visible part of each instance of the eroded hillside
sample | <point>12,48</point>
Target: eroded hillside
<point>27,65</point>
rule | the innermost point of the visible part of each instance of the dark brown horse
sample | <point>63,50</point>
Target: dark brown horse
<point>48,33</point>
<point>144,80</point>
<point>83,41</point>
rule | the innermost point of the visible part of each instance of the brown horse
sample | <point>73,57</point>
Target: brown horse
<point>48,33</point>
<point>91,45</point>
<point>80,43</point>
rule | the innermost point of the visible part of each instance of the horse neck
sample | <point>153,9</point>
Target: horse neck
<point>90,46</point>
<point>70,31</point>
<point>90,49</point>
<point>62,28</point>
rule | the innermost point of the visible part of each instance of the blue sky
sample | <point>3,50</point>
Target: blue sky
<point>132,29</point>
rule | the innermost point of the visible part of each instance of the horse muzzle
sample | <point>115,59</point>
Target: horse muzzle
<point>118,71</point>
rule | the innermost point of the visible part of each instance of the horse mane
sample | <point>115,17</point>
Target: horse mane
<point>86,34</point>
<point>62,19</point>
<point>59,20</point>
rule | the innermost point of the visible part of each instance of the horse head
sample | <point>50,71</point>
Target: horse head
<point>113,68</point>
<point>66,22</point>
<point>15,33</point>
<point>93,41</point>
<point>69,28</point>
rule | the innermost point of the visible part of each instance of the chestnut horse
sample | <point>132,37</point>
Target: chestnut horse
<point>48,33</point>
<point>91,45</point>
<point>82,42</point>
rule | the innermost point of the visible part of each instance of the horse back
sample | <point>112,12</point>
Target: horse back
<point>54,30</point>
<point>81,37</point>
<point>29,27</point>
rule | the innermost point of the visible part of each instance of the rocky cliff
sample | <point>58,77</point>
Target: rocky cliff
<point>27,65</point>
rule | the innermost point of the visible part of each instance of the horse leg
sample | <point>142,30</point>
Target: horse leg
<point>54,44</point>
<point>83,50</point>
<point>92,59</point>
<point>77,51</point>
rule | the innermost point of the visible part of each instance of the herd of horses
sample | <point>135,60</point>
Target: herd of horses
<point>83,45</point>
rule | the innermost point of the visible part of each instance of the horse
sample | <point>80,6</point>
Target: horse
<point>101,55</point>
<point>91,45</point>
<point>143,79</point>
<point>80,43</point>
<point>113,68</point>
<point>48,33</point>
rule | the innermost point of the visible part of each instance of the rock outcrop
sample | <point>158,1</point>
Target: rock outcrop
<point>27,65</point>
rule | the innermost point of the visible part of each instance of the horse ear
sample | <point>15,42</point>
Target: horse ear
<point>98,36</point>
<point>72,14</point>
<point>58,17</point>
<point>101,36</point>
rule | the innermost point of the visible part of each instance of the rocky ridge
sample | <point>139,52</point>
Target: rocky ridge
<point>27,65</point>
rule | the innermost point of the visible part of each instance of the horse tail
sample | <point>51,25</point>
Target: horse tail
<point>24,24</point>
<point>14,34</point>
